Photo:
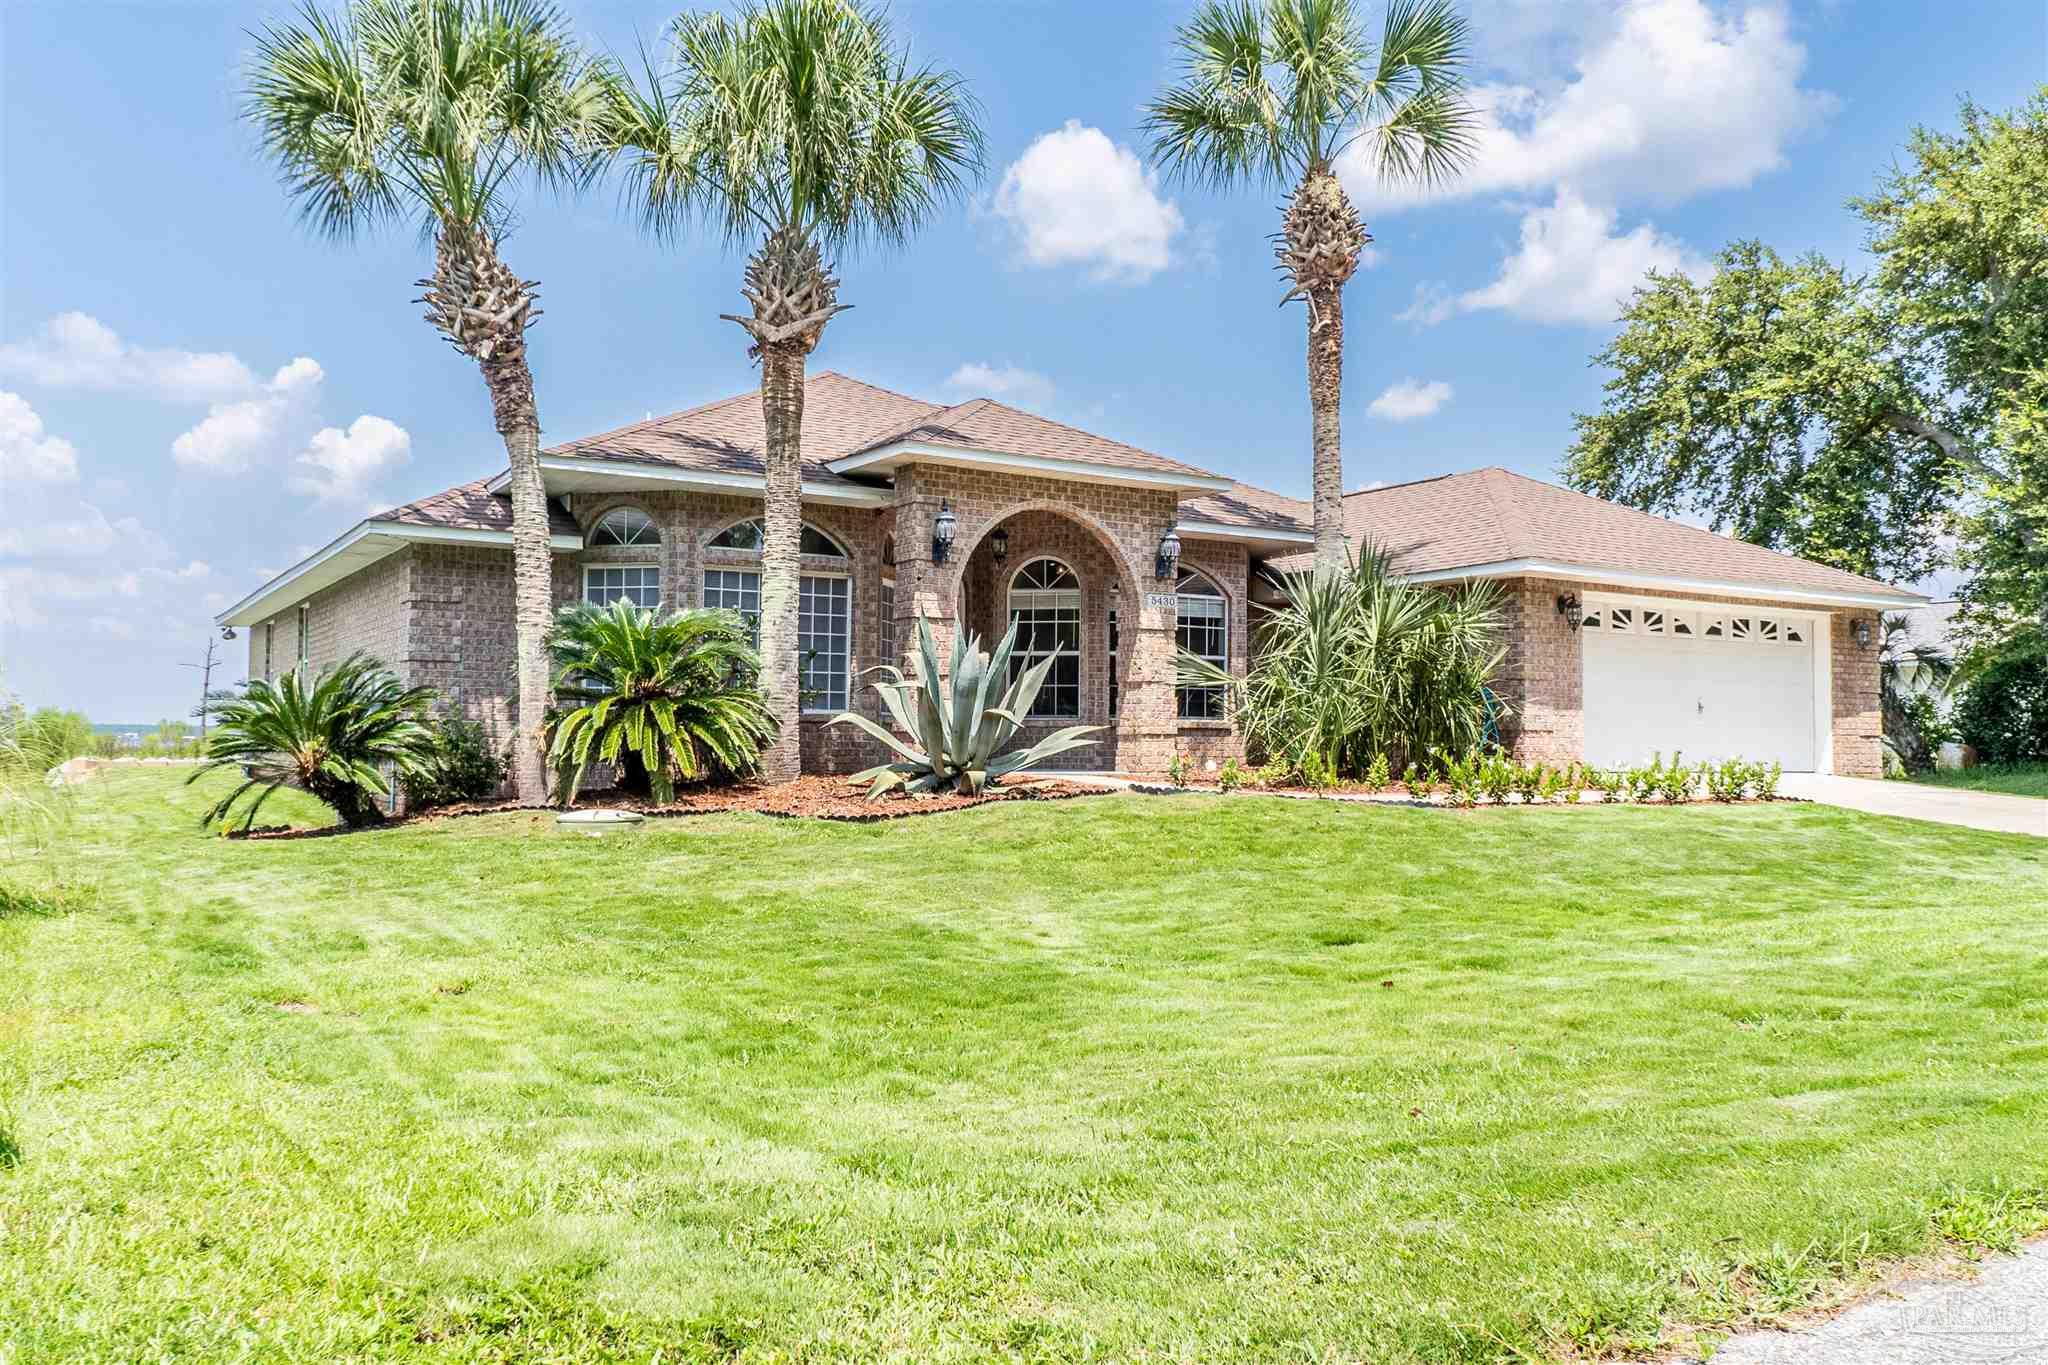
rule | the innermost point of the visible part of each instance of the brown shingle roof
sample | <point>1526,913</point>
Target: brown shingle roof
<point>1492,516</point>
<point>1248,506</point>
<point>985,424</point>
<point>471,507</point>
<point>729,436</point>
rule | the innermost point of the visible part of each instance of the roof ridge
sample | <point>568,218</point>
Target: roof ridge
<point>1408,483</point>
<point>656,421</point>
<point>1513,526</point>
<point>893,393</point>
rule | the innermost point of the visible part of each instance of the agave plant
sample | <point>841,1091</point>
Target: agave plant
<point>664,699</point>
<point>956,737</point>
<point>328,736</point>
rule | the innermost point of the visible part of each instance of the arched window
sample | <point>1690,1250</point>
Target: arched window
<point>1202,628</point>
<point>1045,607</point>
<point>612,580</point>
<point>625,526</point>
<point>824,612</point>
<point>746,537</point>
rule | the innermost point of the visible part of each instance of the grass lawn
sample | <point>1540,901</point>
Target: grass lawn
<point>2015,779</point>
<point>1196,1078</point>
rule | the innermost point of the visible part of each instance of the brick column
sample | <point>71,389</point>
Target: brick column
<point>923,589</point>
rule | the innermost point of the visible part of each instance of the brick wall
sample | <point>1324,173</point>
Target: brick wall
<point>1543,676</point>
<point>365,611</point>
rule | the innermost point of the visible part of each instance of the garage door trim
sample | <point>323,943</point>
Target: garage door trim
<point>1818,628</point>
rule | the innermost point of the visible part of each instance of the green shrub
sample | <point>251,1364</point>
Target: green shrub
<point>1550,784</point>
<point>1177,769</point>
<point>1676,782</point>
<point>1575,783</point>
<point>1231,776</point>
<point>1726,780</point>
<point>1317,772</point>
<point>662,698</point>
<point>464,767</point>
<point>2004,710</point>
<point>1764,781</point>
<point>1359,663</point>
<point>1376,776</point>
<point>1528,781</point>
<point>1411,777</point>
<point>962,731</point>
<point>1497,776</point>
<point>330,736</point>
<point>1462,774</point>
<point>1612,782</point>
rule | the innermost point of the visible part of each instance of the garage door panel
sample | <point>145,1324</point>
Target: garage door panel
<point>1709,698</point>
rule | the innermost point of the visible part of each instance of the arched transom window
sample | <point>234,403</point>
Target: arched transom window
<point>624,528</point>
<point>824,621</point>
<point>746,537</point>
<point>1045,607</point>
<point>1202,628</point>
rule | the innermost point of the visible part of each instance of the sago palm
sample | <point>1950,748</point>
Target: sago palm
<point>436,113</point>
<point>1272,93</point>
<point>798,126</point>
<point>331,736</point>
<point>663,699</point>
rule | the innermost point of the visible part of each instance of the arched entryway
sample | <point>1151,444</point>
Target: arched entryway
<point>1064,583</point>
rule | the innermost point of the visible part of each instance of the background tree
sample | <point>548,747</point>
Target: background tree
<point>798,126</point>
<point>1272,93</point>
<point>1854,419</point>
<point>437,112</point>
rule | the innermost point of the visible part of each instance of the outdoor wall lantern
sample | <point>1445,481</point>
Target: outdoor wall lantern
<point>1169,554</point>
<point>1862,632</point>
<point>943,527</point>
<point>1570,608</point>
<point>999,544</point>
<point>227,632</point>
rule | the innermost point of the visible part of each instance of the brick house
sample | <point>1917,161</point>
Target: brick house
<point>1627,633</point>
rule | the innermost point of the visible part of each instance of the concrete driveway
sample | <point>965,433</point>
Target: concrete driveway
<point>1943,805</point>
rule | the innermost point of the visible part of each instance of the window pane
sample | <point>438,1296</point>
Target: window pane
<point>1045,606</point>
<point>625,526</point>
<point>823,633</point>
<point>886,633</point>
<point>1202,628</point>
<point>639,584</point>
<point>747,536</point>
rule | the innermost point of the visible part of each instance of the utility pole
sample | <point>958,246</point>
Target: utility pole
<point>205,689</point>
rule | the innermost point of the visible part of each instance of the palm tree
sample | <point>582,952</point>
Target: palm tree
<point>435,112</point>
<point>799,126</point>
<point>1273,92</point>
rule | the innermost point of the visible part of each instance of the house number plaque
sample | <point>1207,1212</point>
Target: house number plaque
<point>1162,601</point>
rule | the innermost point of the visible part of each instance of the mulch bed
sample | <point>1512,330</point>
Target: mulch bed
<point>813,798</point>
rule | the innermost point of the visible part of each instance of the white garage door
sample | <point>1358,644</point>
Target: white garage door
<point>1710,682</point>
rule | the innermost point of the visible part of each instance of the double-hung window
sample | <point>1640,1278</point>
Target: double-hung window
<point>1202,628</point>
<point>1045,607</point>
<point>624,528</point>
<point>824,611</point>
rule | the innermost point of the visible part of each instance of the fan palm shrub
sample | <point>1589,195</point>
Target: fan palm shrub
<point>1273,93</point>
<point>1359,664</point>
<point>798,126</point>
<point>435,113</point>
<point>661,698</point>
<point>955,738</point>
<point>332,736</point>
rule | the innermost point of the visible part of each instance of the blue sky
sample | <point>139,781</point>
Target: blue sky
<point>195,392</point>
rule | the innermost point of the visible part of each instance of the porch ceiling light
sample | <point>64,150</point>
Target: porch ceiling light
<point>999,544</point>
<point>1571,609</point>
<point>1169,554</point>
<point>943,527</point>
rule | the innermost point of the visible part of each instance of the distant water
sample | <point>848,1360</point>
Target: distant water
<point>147,728</point>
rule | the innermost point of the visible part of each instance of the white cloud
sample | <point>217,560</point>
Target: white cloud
<point>25,590</point>
<point>1011,383</point>
<point>1077,198</point>
<point>1410,399</point>
<point>1432,304</point>
<point>1572,266</point>
<point>113,627</point>
<point>73,533</point>
<point>1668,99</point>
<point>76,351</point>
<point>341,464</point>
<point>29,453</point>
<point>233,436</point>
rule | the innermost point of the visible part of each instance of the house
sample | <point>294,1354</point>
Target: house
<point>1628,634</point>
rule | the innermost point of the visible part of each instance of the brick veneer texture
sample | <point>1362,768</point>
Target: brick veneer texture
<point>1543,676</point>
<point>442,614</point>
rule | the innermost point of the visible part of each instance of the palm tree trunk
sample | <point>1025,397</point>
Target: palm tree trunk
<point>782,407</point>
<point>1325,397</point>
<point>532,602</point>
<point>484,310</point>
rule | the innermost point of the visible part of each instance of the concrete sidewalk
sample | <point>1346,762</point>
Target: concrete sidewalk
<point>1915,801</point>
<point>1998,1318</point>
